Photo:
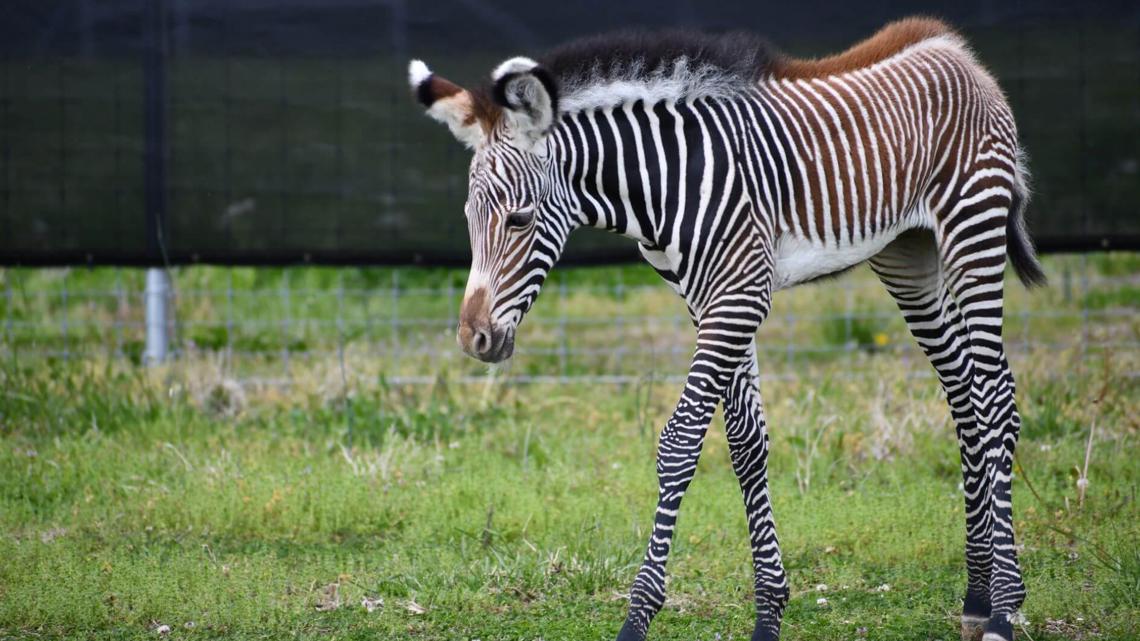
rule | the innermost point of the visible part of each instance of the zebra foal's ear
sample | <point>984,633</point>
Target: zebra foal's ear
<point>448,103</point>
<point>529,96</point>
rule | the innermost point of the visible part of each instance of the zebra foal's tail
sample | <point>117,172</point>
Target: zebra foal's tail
<point>1019,247</point>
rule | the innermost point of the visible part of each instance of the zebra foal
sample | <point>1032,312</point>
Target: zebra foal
<point>740,171</point>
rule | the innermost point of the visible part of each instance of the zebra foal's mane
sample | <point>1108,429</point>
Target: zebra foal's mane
<point>625,66</point>
<point>612,68</point>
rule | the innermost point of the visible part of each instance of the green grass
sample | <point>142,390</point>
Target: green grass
<point>131,499</point>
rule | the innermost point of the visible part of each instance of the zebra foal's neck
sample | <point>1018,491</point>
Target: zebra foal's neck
<point>634,166</point>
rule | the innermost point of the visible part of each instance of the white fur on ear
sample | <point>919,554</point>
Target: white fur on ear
<point>520,64</point>
<point>529,96</point>
<point>417,73</point>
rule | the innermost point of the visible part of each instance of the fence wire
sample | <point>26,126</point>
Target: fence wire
<point>266,327</point>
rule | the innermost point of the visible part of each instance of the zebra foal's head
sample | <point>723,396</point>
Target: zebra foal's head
<point>515,238</point>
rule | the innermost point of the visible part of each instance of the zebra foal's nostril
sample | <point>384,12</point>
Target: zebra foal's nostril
<point>481,341</point>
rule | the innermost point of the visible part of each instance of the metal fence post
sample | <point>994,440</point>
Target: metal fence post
<point>563,336</point>
<point>849,342</point>
<point>117,322</point>
<point>157,297</point>
<point>287,304</point>
<point>9,300</point>
<point>397,352</point>
<point>64,325</point>
<point>341,339</point>
<point>230,328</point>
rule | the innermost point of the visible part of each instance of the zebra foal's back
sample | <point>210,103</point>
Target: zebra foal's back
<point>868,152</point>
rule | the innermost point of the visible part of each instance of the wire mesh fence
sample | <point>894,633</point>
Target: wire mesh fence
<point>612,325</point>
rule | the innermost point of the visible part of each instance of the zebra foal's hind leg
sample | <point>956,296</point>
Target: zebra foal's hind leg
<point>975,278</point>
<point>955,316</point>
<point>748,448</point>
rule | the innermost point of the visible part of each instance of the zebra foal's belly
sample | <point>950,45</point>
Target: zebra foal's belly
<point>799,260</point>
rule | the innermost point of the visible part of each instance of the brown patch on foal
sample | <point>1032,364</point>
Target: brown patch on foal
<point>889,41</point>
<point>475,309</point>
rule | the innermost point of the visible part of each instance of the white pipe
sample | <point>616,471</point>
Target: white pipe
<point>157,306</point>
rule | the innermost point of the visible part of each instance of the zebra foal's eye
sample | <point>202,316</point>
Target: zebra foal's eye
<point>521,218</point>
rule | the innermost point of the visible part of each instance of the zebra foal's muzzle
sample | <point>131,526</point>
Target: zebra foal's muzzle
<point>478,336</point>
<point>487,343</point>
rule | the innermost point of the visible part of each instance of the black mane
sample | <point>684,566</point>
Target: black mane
<point>633,55</point>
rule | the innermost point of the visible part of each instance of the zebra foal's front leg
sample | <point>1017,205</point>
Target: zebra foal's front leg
<point>747,435</point>
<point>722,345</point>
<point>678,449</point>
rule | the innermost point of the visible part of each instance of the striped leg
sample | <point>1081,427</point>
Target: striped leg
<point>748,446</point>
<point>977,289</point>
<point>981,402</point>
<point>1007,588</point>
<point>723,346</point>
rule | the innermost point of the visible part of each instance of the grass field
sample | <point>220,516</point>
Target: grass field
<point>135,499</point>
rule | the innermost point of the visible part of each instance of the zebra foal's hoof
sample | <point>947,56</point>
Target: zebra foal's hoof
<point>999,628</point>
<point>630,632</point>
<point>767,627</point>
<point>765,633</point>
<point>973,627</point>
<point>975,615</point>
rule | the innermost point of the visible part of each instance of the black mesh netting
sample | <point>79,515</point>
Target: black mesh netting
<point>261,131</point>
